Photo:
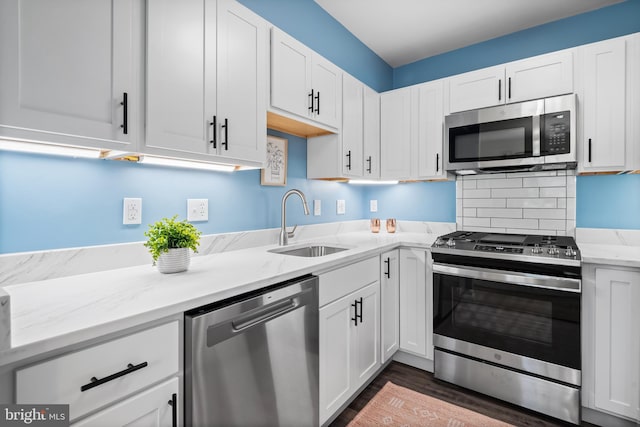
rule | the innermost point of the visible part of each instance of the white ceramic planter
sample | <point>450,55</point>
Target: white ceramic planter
<point>174,261</point>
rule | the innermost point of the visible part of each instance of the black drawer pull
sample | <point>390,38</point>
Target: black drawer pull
<point>355,312</point>
<point>174,409</point>
<point>388,272</point>
<point>369,168</point>
<point>360,315</point>
<point>95,382</point>
<point>437,162</point>
<point>312,98</point>
<point>125,113</point>
<point>214,141</point>
<point>318,103</point>
<point>589,150</point>
<point>499,89</point>
<point>226,134</point>
<point>509,88</point>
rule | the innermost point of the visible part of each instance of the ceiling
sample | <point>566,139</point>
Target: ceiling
<point>404,31</point>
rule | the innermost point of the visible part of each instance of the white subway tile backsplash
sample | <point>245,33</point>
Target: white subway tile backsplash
<point>550,181</point>
<point>477,194</point>
<point>485,176</point>
<point>571,186</point>
<point>532,231</point>
<point>469,212</point>
<point>499,213</point>
<point>531,174</point>
<point>562,203</point>
<point>553,192</point>
<point>532,203</point>
<point>484,203</point>
<point>459,189</point>
<point>477,222</point>
<point>545,213</point>
<point>469,184</point>
<point>459,206</point>
<point>514,223</point>
<point>515,192</point>
<point>571,208</point>
<point>553,224</point>
<point>490,229</point>
<point>501,183</point>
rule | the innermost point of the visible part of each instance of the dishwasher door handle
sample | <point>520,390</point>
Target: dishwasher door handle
<point>265,314</point>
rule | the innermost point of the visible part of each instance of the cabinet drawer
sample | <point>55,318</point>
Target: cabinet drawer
<point>338,283</point>
<point>154,352</point>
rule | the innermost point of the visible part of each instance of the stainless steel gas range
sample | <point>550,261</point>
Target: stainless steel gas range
<point>507,318</point>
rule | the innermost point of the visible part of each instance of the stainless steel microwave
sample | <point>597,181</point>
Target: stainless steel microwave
<point>524,136</point>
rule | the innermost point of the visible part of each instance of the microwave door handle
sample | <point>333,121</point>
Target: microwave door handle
<point>536,135</point>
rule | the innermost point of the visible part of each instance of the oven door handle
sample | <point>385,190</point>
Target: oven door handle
<point>515,278</point>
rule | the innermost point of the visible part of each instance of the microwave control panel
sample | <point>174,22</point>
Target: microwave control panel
<point>556,133</point>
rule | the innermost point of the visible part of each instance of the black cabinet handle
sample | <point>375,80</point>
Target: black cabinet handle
<point>214,141</point>
<point>125,113</point>
<point>226,134</point>
<point>355,312</point>
<point>509,94</point>
<point>589,150</point>
<point>388,272</point>
<point>349,160</point>
<point>369,168</point>
<point>437,162</point>
<point>95,382</point>
<point>174,409</point>
<point>359,315</point>
<point>499,89</point>
<point>318,103</point>
<point>311,96</point>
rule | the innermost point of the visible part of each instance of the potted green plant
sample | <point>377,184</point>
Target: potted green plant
<point>169,243</point>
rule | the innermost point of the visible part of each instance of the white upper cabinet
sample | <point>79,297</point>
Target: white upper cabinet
<point>609,101</point>
<point>537,77</point>
<point>352,126</point>
<point>303,83</point>
<point>395,134</point>
<point>371,134</point>
<point>429,130</point>
<point>69,71</point>
<point>214,107</point>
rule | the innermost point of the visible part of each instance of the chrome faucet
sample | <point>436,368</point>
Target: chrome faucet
<point>284,234</point>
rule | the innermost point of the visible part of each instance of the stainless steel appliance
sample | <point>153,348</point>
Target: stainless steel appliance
<point>507,318</point>
<point>531,135</point>
<point>253,360</point>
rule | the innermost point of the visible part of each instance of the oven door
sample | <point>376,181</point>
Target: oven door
<point>526,321</point>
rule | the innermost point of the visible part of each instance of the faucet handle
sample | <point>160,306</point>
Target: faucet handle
<point>292,232</point>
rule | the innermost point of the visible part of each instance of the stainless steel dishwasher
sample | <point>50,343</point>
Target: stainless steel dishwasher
<point>253,360</point>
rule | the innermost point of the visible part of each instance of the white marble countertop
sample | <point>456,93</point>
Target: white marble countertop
<point>52,314</point>
<point>620,255</point>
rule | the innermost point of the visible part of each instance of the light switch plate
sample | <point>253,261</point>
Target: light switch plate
<point>341,207</point>
<point>132,211</point>
<point>373,205</point>
<point>317,207</point>
<point>197,209</point>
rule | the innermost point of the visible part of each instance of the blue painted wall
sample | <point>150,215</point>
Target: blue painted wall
<point>608,22</point>
<point>52,202</point>
<point>610,201</point>
<point>307,22</point>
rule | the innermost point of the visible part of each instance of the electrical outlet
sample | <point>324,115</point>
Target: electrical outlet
<point>197,209</point>
<point>132,211</point>
<point>373,205</point>
<point>341,207</point>
<point>317,207</point>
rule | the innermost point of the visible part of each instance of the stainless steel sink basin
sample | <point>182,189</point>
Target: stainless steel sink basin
<point>309,251</point>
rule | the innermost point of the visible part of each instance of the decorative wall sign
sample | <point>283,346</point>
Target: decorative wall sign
<point>275,172</point>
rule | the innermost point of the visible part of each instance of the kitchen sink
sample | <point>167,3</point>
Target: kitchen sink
<point>309,251</point>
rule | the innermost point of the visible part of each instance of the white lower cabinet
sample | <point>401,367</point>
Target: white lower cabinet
<point>156,407</point>
<point>349,333</point>
<point>611,340</point>
<point>389,303</point>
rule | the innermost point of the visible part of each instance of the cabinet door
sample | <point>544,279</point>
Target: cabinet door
<point>151,408</point>
<point>540,77</point>
<point>290,74</point>
<point>371,134</point>
<point>603,105</point>
<point>395,134</point>
<point>367,334</point>
<point>413,301</point>
<point>327,85</point>
<point>389,303</point>
<point>477,89</point>
<point>65,68</point>
<point>352,120</point>
<point>617,341</point>
<point>430,127</point>
<point>241,85</point>
<point>336,355</point>
<point>181,82</point>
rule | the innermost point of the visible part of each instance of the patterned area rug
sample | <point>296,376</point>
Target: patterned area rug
<point>399,406</point>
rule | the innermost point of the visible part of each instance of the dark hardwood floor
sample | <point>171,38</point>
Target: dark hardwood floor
<point>425,383</point>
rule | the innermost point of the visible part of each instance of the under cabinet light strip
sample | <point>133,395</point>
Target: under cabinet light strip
<point>165,161</point>
<point>56,150</point>
<point>371,182</point>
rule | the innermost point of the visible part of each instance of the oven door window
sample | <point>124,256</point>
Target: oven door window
<point>505,139</point>
<point>539,323</point>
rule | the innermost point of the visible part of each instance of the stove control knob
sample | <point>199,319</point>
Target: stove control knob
<point>451,243</point>
<point>439,242</point>
<point>570,252</point>
<point>536,249</point>
<point>553,250</point>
